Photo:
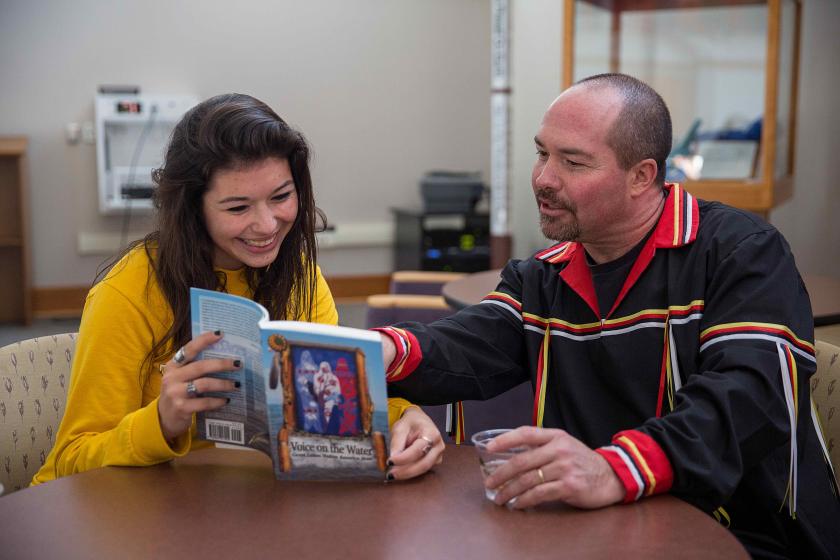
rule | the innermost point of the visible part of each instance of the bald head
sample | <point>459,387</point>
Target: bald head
<point>641,128</point>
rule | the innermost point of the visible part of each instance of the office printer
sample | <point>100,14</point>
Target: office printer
<point>450,191</point>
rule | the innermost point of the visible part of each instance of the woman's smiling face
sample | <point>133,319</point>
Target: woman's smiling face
<point>248,211</point>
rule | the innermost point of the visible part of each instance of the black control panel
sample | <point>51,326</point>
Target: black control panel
<point>456,242</point>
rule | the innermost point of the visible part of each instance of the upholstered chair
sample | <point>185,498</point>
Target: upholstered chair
<point>825,389</point>
<point>34,378</point>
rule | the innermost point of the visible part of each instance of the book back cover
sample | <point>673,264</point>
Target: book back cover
<point>243,420</point>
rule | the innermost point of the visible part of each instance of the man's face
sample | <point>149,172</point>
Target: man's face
<point>580,188</point>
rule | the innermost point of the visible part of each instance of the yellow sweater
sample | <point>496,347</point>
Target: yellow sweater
<point>111,416</point>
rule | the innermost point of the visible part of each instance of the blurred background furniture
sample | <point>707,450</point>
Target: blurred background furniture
<point>725,62</point>
<point>825,390</point>
<point>421,282</point>
<point>455,241</point>
<point>16,303</point>
<point>34,378</point>
<point>471,288</point>
<point>387,309</point>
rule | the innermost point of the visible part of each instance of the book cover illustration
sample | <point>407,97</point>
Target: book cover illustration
<point>322,407</point>
<point>312,396</point>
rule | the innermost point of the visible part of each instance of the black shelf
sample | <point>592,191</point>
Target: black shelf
<point>449,241</point>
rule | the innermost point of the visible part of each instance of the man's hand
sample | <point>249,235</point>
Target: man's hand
<point>389,351</point>
<point>572,473</point>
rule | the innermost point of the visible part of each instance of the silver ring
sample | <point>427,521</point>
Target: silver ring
<point>191,390</point>
<point>180,357</point>
<point>541,475</point>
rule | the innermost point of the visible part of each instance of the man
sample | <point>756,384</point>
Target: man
<point>669,340</point>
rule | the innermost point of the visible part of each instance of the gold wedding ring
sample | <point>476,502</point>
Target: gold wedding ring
<point>541,475</point>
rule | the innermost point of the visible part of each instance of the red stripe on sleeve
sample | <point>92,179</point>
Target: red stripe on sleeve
<point>650,457</point>
<point>397,340</point>
<point>406,362</point>
<point>631,489</point>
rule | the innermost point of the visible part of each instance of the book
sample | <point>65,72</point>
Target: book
<point>312,396</point>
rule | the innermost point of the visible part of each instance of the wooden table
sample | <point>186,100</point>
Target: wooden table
<point>218,503</point>
<point>470,289</point>
<point>824,292</point>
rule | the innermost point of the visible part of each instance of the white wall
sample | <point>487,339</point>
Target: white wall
<point>383,89</point>
<point>809,220</point>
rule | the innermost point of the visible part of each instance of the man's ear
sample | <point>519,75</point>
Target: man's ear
<point>642,176</point>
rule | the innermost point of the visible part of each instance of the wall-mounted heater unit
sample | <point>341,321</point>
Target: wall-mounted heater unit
<point>132,132</point>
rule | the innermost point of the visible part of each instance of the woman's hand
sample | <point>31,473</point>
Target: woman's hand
<point>184,382</point>
<point>416,445</point>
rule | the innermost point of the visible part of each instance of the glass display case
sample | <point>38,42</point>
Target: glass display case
<point>728,70</point>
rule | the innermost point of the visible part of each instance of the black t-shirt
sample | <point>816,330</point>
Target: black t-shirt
<point>609,277</point>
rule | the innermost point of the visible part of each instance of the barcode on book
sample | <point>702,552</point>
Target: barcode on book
<point>228,432</point>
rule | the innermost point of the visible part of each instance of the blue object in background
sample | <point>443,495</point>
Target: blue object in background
<point>683,147</point>
<point>751,132</point>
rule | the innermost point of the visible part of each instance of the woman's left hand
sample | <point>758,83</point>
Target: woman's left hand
<point>416,445</point>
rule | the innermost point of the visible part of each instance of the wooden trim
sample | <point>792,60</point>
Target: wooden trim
<point>771,87</point>
<point>13,145</point>
<point>68,301</point>
<point>643,5</point>
<point>567,73</point>
<point>11,241</point>
<point>415,276</point>
<point>406,301</point>
<point>357,288</point>
<point>14,240</point>
<point>794,87</point>
<point>25,257</point>
<point>63,301</point>
<point>753,196</point>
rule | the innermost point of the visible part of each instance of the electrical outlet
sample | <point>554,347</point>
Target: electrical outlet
<point>88,133</point>
<point>72,132</point>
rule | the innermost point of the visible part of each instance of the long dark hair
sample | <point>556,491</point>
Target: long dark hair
<point>224,132</point>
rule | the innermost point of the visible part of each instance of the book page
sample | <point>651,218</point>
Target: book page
<point>243,420</point>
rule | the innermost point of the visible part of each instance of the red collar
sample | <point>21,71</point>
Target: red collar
<point>677,226</point>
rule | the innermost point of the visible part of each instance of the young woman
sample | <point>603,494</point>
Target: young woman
<point>236,213</point>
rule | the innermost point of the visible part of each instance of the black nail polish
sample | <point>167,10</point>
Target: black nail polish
<point>217,332</point>
<point>237,363</point>
<point>390,477</point>
<point>237,384</point>
<point>228,399</point>
<point>390,463</point>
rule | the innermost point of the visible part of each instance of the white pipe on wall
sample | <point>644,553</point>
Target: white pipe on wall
<point>500,132</point>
